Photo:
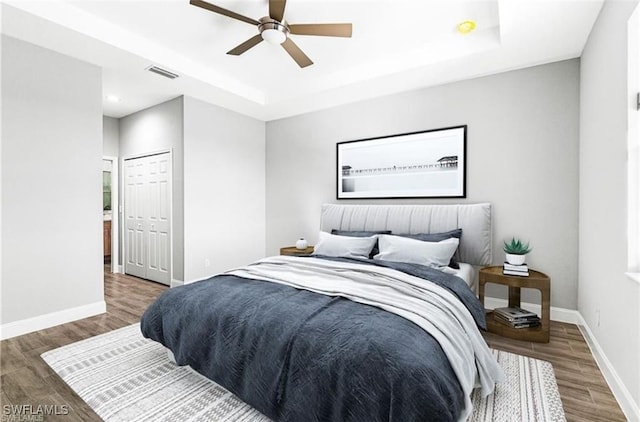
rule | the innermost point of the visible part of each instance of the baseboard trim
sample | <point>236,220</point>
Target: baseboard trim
<point>29,325</point>
<point>620,391</point>
<point>175,283</point>
<point>557,314</point>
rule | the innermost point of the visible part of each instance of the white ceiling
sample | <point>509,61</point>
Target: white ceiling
<point>397,45</point>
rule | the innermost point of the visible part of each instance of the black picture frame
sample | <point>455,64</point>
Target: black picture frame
<point>426,164</point>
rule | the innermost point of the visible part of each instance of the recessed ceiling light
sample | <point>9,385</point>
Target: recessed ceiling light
<point>466,27</point>
<point>113,98</point>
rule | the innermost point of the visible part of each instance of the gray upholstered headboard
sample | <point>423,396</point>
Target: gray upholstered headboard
<point>474,220</point>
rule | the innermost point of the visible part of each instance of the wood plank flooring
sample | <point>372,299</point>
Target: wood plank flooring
<point>585,394</point>
<point>25,379</point>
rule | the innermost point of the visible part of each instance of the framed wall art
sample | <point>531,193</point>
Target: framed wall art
<point>427,164</point>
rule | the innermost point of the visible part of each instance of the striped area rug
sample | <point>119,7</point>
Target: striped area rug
<point>125,377</point>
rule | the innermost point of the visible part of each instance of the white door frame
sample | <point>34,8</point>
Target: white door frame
<point>115,214</point>
<point>121,210</point>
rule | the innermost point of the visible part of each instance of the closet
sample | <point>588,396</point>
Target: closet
<point>147,217</point>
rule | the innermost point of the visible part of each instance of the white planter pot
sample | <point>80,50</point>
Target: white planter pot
<point>515,259</point>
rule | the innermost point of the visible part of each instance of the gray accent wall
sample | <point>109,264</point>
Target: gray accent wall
<point>51,185</point>
<point>522,157</point>
<point>608,300</point>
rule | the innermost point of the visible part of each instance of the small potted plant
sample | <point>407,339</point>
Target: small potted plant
<point>515,251</point>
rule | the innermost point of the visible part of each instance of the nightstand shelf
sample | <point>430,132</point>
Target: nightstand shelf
<point>293,251</point>
<point>535,280</point>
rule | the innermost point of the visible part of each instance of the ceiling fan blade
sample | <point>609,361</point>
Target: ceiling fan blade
<point>322,29</point>
<point>276,9</point>
<point>295,53</point>
<point>225,12</point>
<point>245,45</point>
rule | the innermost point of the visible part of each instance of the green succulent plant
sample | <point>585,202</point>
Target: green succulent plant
<point>516,247</point>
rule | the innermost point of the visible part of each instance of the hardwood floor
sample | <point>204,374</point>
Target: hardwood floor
<point>585,394</point>
<point>25,379</point>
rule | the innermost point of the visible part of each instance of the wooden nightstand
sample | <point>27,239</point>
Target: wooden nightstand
<point>292,250</point>
<point>535,280</point>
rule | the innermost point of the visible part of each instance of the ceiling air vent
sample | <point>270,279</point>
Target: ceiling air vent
<point>162,72</point>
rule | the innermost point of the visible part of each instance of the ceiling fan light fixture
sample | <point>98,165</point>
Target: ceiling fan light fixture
<point>273,31</point>
<point>273,36</point>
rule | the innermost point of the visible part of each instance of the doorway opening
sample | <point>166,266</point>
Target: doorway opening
<point>110,213</point>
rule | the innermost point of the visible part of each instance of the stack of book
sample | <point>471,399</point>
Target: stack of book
<point>510,269</point>
<point>516,317</point>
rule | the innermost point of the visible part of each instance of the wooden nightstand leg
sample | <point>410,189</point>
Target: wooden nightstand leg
<point>514,297</point>
<point>545,305</point>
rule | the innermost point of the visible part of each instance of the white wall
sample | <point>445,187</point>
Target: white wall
<point>224,189</point>
<point>51,200</point>
<point>522,152</point>
<point>218,183</point>
<point>604,288</point>
<point>154,129</point>
<point>110,137</point>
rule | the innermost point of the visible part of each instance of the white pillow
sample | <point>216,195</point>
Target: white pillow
<point>403,249</point>
<point>345,246</point>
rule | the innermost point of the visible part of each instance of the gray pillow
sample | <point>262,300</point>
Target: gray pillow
<point>362,233</point>
<point>437,237</point>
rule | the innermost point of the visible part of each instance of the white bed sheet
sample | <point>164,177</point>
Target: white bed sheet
<point>467,273</point>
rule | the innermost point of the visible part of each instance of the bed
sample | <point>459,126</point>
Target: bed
<point>335,337</point>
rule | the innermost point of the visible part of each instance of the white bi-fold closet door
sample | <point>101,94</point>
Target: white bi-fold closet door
<point>147,211</point>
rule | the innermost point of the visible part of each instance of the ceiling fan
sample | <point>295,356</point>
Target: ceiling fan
<point>276,30</point>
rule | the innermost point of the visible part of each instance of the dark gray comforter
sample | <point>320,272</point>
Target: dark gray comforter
<point>296,355</point>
